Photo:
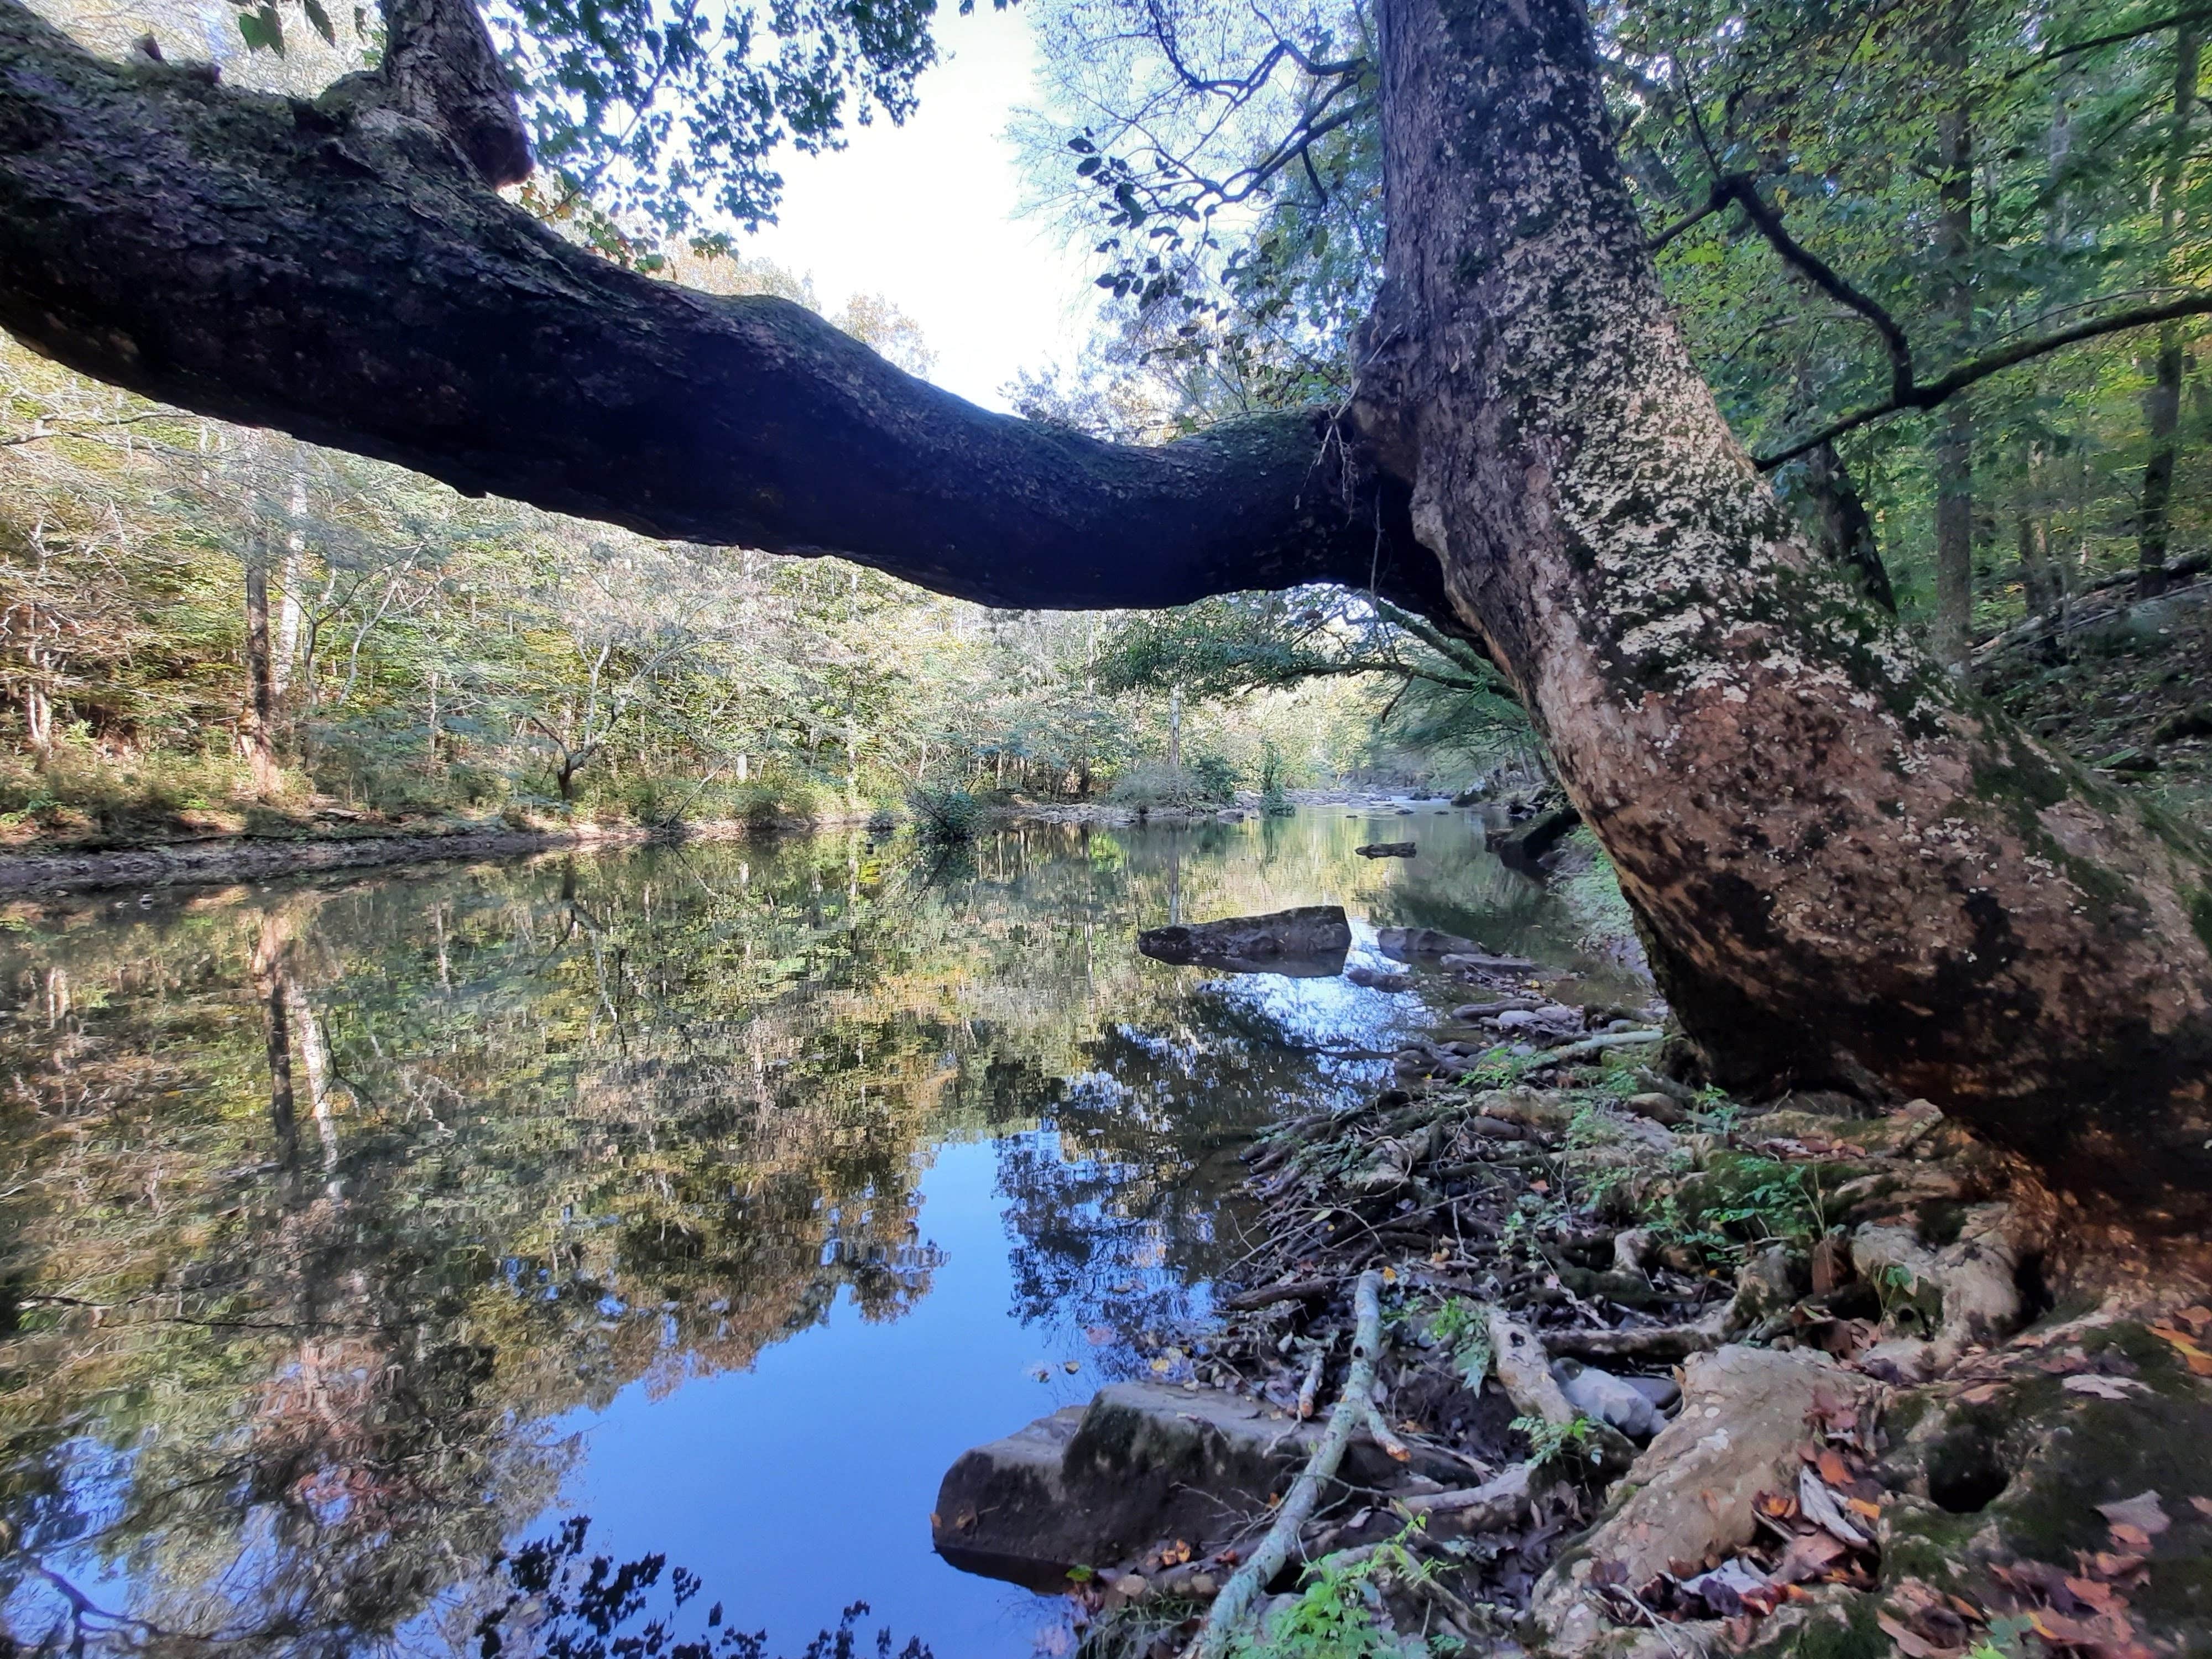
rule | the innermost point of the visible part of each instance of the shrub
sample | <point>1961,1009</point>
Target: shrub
<point>1214,777</point>
<point>944,816</point>
<point>1155,786</point>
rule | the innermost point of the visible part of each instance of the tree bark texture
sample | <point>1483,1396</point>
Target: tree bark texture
<point>1850,869</point>
<point>258,726</point>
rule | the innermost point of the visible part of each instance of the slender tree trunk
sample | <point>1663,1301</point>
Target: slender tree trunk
<point>1845,528</point>
<point>1174,728</point>
<point>38,718</point>
<point>1954,431</point>
<point>1849,870</point>
<point>2162,403</point>
<point>259,728</point>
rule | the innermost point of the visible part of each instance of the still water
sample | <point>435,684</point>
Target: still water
<point>352,1231</point>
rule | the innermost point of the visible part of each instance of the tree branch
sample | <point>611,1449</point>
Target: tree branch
<point>1933,392</point>
<point>2118,37</point>
<point>340,275</point>
<point>1740,188</point>
<point>439,67</point>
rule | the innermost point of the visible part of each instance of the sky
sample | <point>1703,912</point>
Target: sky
<point>926,215</point>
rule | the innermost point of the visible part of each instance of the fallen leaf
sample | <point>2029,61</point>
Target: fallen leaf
<point>1911,1646</point>
<point>2202,1505</point>
<point>2104,1387</point>
<point>1860,1506</point>
<point>2196,1318</point>
<point>2198,1361</point>
<point>1833,1469</point>
<point>2134,1538</point>
<point>2143,1512</point>
<point>1982,1393</point>
<point>2102,1596</point>
<point>1821,1508</point>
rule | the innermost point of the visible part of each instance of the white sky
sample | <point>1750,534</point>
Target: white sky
<point>926,216</point>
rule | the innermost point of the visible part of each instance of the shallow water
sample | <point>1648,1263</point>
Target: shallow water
<point>350,1231</point>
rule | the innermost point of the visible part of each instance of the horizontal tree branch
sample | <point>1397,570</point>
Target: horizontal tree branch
<point>339,273</point>
<point>2118,37</point>
<point>1931,393</point>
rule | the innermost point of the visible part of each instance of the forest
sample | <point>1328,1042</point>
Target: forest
<point>896,898</point>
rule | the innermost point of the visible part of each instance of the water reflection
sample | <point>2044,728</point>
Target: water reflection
<point>348,1225</point>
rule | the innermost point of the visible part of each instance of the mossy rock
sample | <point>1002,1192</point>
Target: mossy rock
<point>2015,1472</point>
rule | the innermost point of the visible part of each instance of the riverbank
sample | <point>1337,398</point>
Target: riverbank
<point>241,858</point>
<point>341,840</point>
<point>1646,1372</point>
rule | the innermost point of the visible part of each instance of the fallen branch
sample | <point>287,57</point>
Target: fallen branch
<point>1590,1046</point>
<point>1668,1343</point>
<point>1486,1508</point>
<point>1234,1604</point>
<point>1310,1289</point>
<point>1525,1370</point>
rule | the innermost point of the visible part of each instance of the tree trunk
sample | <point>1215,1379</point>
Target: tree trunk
<point>1850,872</point>
<point>258,729</point>
<point>38,719</point>
<point>1954,432</point>
<point>2162,403</point>
<point>1845,528</point>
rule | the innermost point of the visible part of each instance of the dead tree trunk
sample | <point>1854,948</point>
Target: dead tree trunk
<point>258,728</point>
<point>1850,872</point>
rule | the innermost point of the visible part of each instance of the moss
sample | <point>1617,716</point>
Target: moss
<point>1847,1628</point>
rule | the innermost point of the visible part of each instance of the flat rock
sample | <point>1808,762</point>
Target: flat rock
<point>1386,849</point>
<point>1309,941</point>
<point>1690,1495</point>
<point>1092,1484</point>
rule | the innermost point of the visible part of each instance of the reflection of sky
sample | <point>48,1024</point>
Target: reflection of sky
<point>806,1482</point>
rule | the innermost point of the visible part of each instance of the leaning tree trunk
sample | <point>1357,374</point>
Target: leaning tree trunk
<point>1850,871</point>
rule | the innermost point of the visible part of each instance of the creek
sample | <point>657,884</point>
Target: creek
<point>353,1230</point>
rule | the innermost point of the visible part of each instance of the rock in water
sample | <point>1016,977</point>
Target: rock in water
<point>1093,1484</point>
<point>1407,943</point>
<point>1308,942</point>
<point>1375,980</point>
<point>1386,849</point>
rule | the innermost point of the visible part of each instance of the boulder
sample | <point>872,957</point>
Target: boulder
<point>1309,941</point>
<point>1689,1496</point>
<point>1521,847</point>
<point>1093,1485</point>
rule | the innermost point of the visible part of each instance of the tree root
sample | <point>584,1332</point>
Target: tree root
<point>1353,1407</point>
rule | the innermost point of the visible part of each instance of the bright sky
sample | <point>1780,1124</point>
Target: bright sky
<point>924,214</point>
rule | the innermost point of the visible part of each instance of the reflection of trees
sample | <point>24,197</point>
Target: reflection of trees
<point>314,1206</point>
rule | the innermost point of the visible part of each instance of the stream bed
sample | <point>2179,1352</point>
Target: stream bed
<point>353,1231</point>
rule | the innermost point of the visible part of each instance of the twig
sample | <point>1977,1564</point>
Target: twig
<point>1234,1604</point>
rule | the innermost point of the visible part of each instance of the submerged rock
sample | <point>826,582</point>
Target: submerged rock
<point>1375,980</point>
<point>1309,941</point>
<point>1093,1484</point>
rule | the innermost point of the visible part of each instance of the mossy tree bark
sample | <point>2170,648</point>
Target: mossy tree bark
<point>1849,869</point>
